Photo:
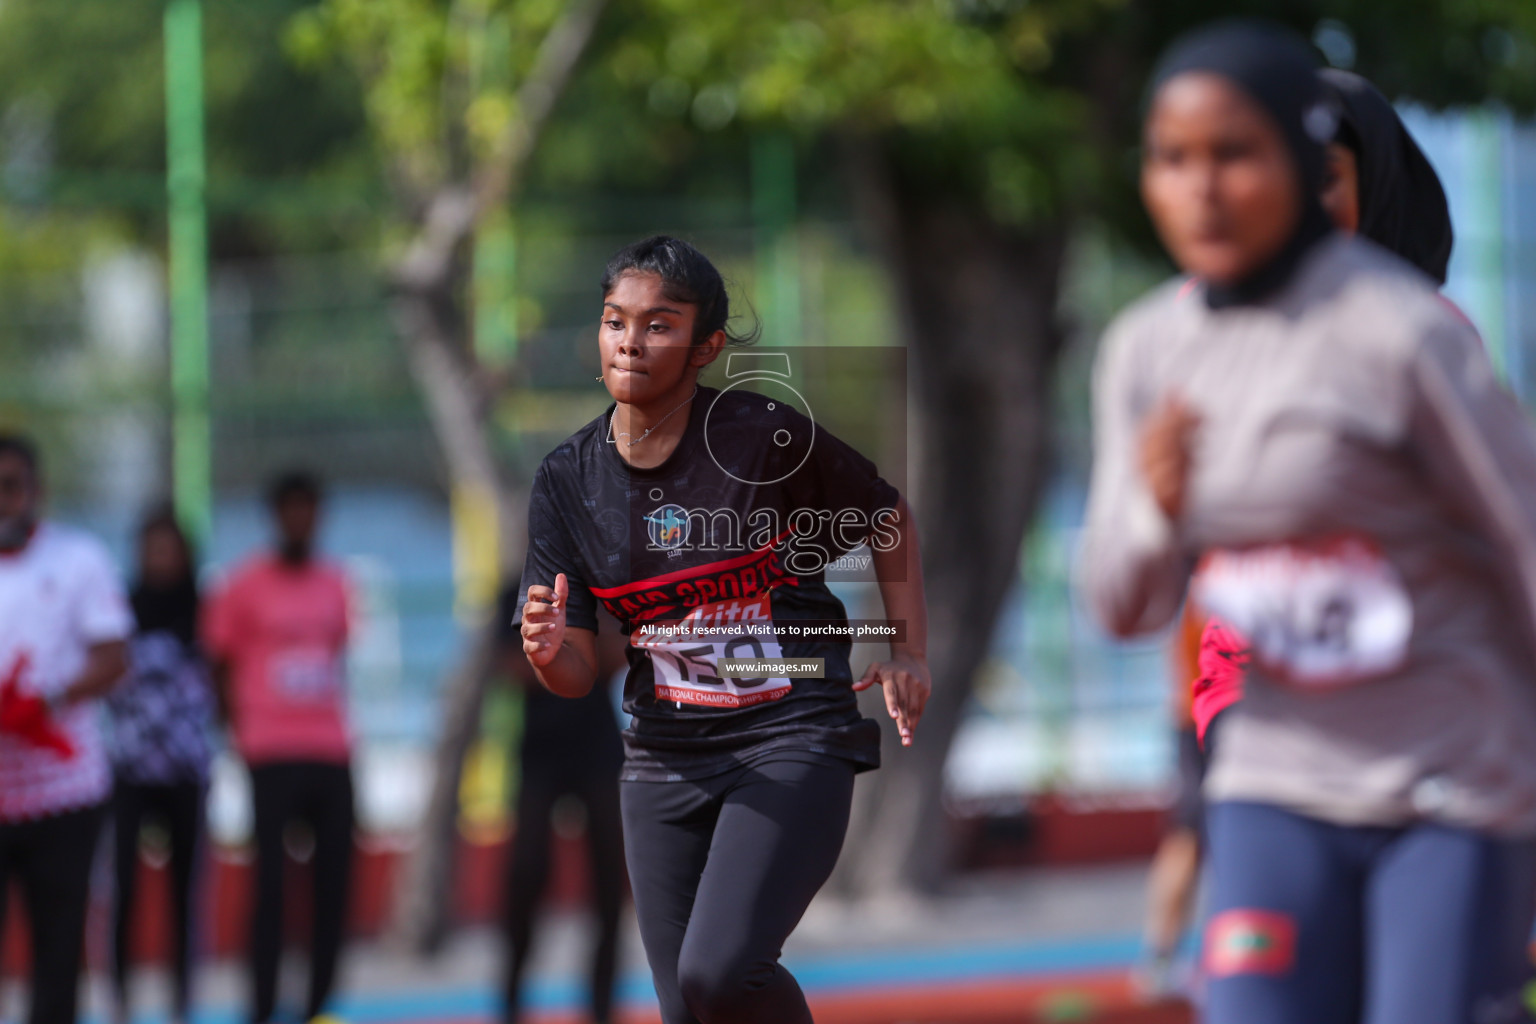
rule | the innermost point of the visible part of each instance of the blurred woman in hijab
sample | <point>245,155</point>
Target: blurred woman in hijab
<point>1315,428</point>
<point>1379,185</point>
<point>162,718</point>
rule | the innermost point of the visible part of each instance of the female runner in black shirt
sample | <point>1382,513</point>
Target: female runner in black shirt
<point>717,512</point>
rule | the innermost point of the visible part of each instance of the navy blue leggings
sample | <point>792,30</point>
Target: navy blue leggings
<point>1314,923</point>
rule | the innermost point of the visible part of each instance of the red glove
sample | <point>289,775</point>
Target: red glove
<point>27,717</point>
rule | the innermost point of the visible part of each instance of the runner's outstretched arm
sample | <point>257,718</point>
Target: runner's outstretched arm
<point>905,676</point>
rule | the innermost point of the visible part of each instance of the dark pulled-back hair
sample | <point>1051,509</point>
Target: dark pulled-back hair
<point>24,448</point>
<point>162,518</point>
<point>294,483</point>
<point>170,606</point>
<point>686,276</point>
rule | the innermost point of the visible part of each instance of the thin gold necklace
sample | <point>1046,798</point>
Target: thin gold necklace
<point>630,443</point>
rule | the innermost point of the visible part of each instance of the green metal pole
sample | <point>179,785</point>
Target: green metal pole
<point>778,247</point>
<point>185,181</point>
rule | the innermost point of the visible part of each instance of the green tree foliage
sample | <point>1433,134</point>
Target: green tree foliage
<point>956,85</point>
<point>980,134</point>
<point>89,76</point>
<point>1030,106</point>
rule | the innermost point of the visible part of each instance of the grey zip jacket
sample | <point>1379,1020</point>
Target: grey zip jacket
<point>1361,505</point>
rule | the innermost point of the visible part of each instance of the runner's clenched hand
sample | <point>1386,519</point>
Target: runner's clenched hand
<point>544,621</point>
<point>1167,440</point>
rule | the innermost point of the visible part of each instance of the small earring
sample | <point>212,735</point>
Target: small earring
<point>598,377</point>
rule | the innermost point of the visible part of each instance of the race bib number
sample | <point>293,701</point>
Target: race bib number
<point>685,653</point>
<point>306,675</point>
<point>1318,615</point>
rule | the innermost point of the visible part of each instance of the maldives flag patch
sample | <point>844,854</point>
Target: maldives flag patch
<point>1250,942</point>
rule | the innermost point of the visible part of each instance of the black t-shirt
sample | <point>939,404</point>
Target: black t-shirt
<point>736,526</point>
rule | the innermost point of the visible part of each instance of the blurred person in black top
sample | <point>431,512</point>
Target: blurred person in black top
<point>715,513</point>
<point>162,715</point>
<point>569,749</point>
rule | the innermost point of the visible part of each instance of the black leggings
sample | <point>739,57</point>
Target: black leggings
<point>51,857</point>
<point>320,795</point>
<point>722,870</point>
<point>178,808</point>
<point>529,870</point>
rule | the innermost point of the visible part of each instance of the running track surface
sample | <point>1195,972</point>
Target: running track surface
<point>1084,981</point>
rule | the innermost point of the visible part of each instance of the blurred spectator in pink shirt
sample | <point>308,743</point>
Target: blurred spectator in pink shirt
<point>277,634</point>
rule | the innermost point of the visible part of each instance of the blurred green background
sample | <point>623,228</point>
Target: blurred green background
<point>364,236</point>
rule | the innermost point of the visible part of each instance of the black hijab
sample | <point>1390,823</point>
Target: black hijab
<point>1402,204</point>
<point>1277,70</point>
<point>170,607</point>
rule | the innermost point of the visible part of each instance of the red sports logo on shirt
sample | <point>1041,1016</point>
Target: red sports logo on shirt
<point>1250,942</point>
<point>744,576</point>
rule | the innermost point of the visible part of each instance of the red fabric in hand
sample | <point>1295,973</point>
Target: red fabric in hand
<point>26,715</point>
<point>1224,659</point>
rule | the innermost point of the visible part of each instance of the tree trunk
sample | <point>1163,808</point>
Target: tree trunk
<point>424,905</point>
<point>979,310</point>
<point>431,324</point>
<point>430,280</point>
